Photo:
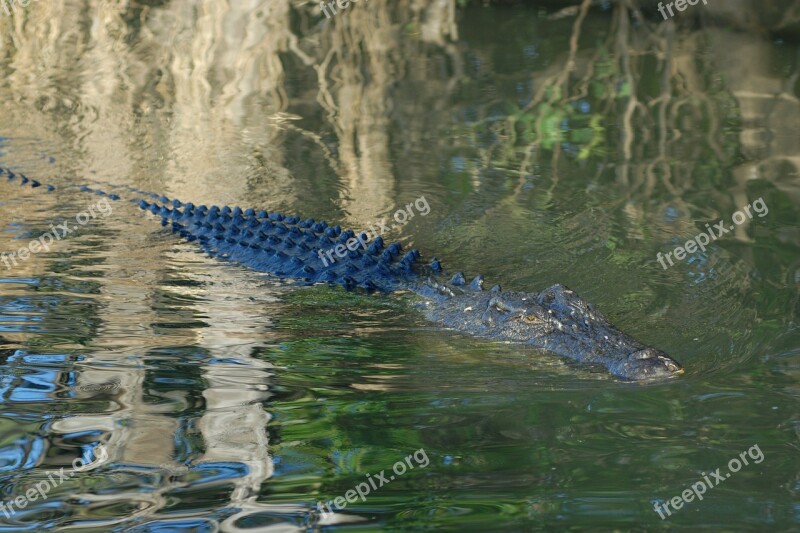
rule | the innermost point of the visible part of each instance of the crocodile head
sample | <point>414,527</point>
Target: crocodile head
<point>558,320</point>
<point>555,320</point>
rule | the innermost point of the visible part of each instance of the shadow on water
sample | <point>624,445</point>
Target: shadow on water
<point>554,145</point>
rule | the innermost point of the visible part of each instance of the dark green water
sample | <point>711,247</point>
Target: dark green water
<point>212,398</point>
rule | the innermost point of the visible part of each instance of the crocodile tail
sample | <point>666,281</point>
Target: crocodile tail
<point>25,181</point>
<point>92,186</point>
<point>283,245</point>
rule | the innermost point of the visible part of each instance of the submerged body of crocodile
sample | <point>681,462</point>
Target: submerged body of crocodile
<point>555,320</point>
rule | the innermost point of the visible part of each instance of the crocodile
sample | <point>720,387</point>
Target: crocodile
<point>555,320</point>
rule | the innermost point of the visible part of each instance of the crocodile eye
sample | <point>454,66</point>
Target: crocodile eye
<point>532,318</point>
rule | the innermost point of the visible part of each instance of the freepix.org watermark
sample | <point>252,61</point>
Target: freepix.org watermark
<point>43,487</point>
<point>56,233</point>
<point>343,4</point>
<point>401,217</point>
<point>373,483</point>
<point>680,5</point>
<point>11,5</point>
<point>700,488</point>
<point>718,230</point>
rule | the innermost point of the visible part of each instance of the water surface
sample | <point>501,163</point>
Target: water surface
<point>211,398</point>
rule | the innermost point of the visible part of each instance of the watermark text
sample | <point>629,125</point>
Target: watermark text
<point>401,216</point>
<point>713,233</point>
<point>680,5</point>
<point>43,487</point>
<point>56,233</point>
<point>342,4</point>
<point>699,489</point>
<point>373,483</point>
<point>11,5</point>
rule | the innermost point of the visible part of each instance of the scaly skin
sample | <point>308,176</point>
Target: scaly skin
<point>555,320</point>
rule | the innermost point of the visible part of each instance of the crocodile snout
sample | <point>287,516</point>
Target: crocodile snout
<point>649,363</point>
